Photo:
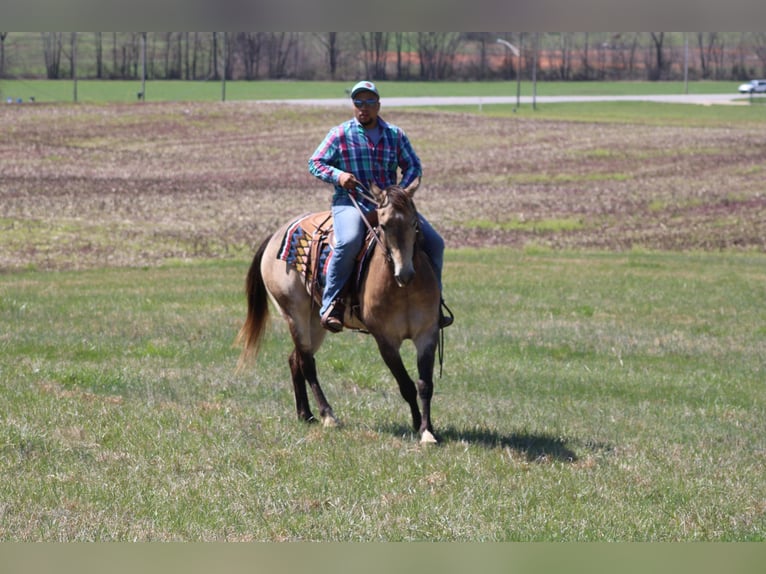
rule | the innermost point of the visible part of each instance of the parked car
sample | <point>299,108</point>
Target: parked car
<point>753,86</point>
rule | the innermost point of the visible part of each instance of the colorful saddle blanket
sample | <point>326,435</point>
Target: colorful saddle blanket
<point>307,245</point>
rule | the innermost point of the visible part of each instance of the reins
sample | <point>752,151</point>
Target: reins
<point>366,194</point>
<point>440,340</point>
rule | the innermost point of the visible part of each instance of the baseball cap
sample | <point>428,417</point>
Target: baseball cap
<point>364,85</point>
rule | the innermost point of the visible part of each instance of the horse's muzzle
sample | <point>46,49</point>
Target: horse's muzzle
<point>404,277</point>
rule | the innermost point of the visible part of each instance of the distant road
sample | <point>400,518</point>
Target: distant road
<point>700,99</point>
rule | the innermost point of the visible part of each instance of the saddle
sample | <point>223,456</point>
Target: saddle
<point>307,245</point>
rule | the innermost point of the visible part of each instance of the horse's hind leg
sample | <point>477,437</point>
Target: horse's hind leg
<point>287,290</point>
<point>303,368</point>
<point>299,387</point>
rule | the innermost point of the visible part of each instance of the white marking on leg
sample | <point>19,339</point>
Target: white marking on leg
<point>329,421</point>
<point>428,438</point>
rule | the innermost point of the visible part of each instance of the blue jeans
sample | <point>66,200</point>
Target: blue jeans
<point>350,231</point>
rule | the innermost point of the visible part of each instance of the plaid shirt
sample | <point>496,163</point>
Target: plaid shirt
<point>347,148</point>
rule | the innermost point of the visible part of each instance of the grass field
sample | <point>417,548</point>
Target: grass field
<point>604,379</point>
<point>94,91</point>
<point>597,397</point>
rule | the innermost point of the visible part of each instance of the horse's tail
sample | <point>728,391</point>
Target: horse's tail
<point>249,337</point>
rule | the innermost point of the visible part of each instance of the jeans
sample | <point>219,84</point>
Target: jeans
<point>350,232</point>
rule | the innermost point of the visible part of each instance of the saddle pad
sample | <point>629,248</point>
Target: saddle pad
<point>298,247</point>
<point>309,238</point>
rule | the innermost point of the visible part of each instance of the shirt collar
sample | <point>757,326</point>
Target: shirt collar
<point>383,125</point>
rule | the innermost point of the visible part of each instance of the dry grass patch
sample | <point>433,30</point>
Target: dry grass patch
<point>88,186</point>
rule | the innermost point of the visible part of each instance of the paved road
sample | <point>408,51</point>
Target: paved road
<point>702,99</point>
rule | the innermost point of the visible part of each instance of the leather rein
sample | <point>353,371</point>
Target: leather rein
<point>367,195</point>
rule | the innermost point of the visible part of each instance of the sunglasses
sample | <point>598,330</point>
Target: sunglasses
<point>371,102</point>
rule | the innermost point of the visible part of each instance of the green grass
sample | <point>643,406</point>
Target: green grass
<point>648,113</point>
<point>645,113</point>
<point>100,91</point>
<point>585,396</point>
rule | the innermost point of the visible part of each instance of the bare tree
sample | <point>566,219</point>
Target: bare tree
<point>375,49</point>
<point>279,45</point>
<point>482,41</point>
<point>167,58</point>
<point>73,55</point>
<point>3,36</point>
<point>759,40</point>
<point>114,55</point>
<point>585,58</point>
<point>213,63</point>
<point>331,44</point>
<point>172,55</point>
<point>229,53</point>
<point>656,71</point>
<point>437,53</point>
<point>195,58</point>
<point>625,47</point>
<point>340,55</point>
<point>52,48</point>
<point>603,50</point>
<point>135,54</point>
<point>99,49</point>
<point>250,44</point>
<point>402,66</point>
<point>706,43</point>
<point>566,42</point>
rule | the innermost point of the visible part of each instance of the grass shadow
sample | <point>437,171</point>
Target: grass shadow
<point>530,446</point>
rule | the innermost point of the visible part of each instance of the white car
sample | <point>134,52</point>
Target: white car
<point>753,86</point>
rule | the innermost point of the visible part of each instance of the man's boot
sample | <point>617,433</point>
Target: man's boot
<point>332,320</point>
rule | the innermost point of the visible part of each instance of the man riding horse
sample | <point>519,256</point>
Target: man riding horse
<point>353,156</point>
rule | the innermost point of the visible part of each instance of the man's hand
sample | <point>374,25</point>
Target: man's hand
<point>348,181</point>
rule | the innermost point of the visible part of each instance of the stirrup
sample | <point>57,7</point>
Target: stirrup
<point>445,320</point>
<point>332,320</point>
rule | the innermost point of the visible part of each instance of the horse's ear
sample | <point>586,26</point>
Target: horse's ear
<point>412,188</point>
<point>378,193</point>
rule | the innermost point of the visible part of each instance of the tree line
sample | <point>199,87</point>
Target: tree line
<point>383,55</point>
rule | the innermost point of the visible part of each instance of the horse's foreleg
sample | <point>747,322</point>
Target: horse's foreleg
<point>393,360</point>
<point>426,390</point>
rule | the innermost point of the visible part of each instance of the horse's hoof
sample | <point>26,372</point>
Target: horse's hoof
<point>329,421</point>
<point>428,438</point>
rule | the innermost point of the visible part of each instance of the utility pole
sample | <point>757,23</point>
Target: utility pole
<point>143,67</point>
<point>534,71</point>
<point>74,64</point>
<point>516,52</point>
<point>225,65</point>
<point>686,63</point>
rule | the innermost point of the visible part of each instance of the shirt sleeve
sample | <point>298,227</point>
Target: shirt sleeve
<point>324,159</point>
<point>409,162</point>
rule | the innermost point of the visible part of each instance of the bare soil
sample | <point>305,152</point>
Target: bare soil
<point>141,184</point>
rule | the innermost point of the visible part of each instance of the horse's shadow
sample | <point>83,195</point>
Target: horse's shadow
<point>532,447</point>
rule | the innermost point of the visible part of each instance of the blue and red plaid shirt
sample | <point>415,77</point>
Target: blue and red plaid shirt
<point>346,148</point>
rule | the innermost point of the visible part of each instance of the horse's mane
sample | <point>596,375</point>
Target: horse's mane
<point>398,198</point>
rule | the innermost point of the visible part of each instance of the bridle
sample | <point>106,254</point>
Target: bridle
<point>367,195</point>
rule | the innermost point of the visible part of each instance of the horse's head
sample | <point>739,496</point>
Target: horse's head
<point>398,225</point>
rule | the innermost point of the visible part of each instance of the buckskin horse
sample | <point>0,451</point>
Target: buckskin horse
<point>397,298</point>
